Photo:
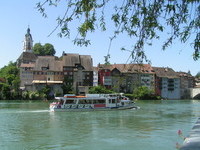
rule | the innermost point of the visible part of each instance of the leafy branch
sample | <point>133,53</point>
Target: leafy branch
<point>142,21</point>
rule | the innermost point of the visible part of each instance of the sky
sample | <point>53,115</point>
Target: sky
<point>17,15</point>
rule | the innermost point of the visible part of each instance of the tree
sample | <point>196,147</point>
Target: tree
<point>99,90</point>
<point>38,49</point>
<point>49,49</point>
<point>10,89</point>
<point>46,91</point>
<point>43,50</point>
<point>144,93</point>
<point>141,20</point>
<point>197,75</point>
<point>5,92</point>
<point>67,85</point>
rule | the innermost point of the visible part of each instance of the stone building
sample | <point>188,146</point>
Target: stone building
<point>47,71</point>
<point>167,83</point>
<point>26,61</point>
<point>78,69</point>
<point>39,71</point>
<point>187,81</point>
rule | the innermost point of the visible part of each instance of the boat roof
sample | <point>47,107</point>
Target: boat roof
<point>79,98</point>
<point>125,100</point>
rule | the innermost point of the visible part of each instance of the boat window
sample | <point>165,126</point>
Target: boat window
<point>112,101</point>
<point>92,101</point>
<point>99,101</point>
<point>70,101</point>
<point>84,101</point>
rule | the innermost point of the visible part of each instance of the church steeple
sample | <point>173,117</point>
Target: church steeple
<point>28,42</point>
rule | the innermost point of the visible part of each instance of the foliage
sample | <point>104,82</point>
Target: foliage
<point>49,49</point>
<point>31,95</point>
<point>142,21</point>
<point>38,49</point>
<point>5,91</point>
<point>10,89</point>
<point>144,93</point>
<point>57,93</point>
<point>43,50</point>
<point>99,90</point>
<point>25,95</point>
<point>107,60</point>
<point>198,75</point>
<point>67,85</point>
<point>46,92</point>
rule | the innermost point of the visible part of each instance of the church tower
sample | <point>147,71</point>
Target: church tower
<point>28,42</point>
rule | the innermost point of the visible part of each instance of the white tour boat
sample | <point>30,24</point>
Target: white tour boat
<point>92,102</point>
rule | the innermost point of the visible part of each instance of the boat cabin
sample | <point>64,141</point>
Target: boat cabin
<point>92,101</point>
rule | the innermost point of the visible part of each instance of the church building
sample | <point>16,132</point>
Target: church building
<point>26,61</point>
<point>27,56</point>
<point>38,71</point>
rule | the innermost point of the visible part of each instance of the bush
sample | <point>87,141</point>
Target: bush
<point>31,95</point>
<point>144,93</point>
<point>34,95</point>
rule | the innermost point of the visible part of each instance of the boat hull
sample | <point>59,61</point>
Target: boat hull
<point>91,109</point>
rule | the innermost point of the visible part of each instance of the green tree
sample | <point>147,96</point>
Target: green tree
<point>38,49</point>
<point>143,92</point>
<point>141,20</point>
<point>25,95</point>
<point>198,75</point>
<point>10,89</point>
<point>46,92</point>
<point>15,88</point>
<point>67,86</point>
<point>32,95</point>
<point>99,90</point>
<point>49,49</point>
<point>6,92</point>
<point>44,50</point>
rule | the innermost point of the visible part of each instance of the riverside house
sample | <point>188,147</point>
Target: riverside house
<point>126,77</point>
<point>167,83</point>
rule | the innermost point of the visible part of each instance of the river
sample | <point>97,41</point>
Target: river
<point>28,125</point>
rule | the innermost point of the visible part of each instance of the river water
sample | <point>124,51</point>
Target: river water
<point>30,126</point>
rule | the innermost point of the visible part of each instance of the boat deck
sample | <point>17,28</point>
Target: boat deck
<point>193,141</point>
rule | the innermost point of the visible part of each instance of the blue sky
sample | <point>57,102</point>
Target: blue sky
<point>17,15</point>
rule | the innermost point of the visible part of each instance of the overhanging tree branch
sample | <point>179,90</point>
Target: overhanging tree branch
<point>141,20</point>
